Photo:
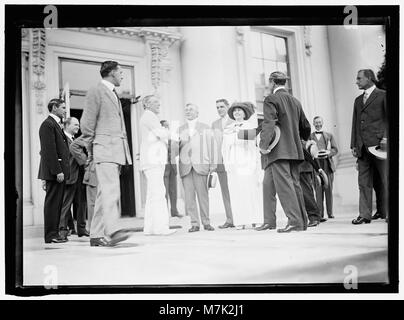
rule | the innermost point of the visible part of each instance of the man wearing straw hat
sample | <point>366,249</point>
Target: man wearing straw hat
<point>369,134</point>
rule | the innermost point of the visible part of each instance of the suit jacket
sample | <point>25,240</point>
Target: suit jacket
<point>217,128</point>
<point>103,128</point>
<point>54,151</point>
<point>331,144</point>
<point>73,166</point>
<point>154,139</point>
<point>77,150</point>
<point>197,151</point>
<point>284,110</point>
<point>369,121</point>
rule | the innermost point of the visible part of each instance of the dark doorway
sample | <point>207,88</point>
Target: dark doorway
<point>128,207</point>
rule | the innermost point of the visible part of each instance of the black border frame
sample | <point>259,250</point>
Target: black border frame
<point>31,16</point>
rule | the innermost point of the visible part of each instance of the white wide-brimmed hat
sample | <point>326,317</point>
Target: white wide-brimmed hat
<point>274,141</point>
<point>378,152</point>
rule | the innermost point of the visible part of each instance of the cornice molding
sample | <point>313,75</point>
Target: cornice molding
<point>167,34</point>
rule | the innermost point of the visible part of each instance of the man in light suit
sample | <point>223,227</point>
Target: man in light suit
<point>153,158</point>
<point>72,126</point>
<point>103,130</point>
<point>222,105</point>
<point>325,141</point>
<point>369,128</point>
<point>53,168</point>
<point>281,164</point>
<point>196,161</point>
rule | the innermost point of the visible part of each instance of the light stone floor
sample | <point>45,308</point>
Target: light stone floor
<point>318,255</point>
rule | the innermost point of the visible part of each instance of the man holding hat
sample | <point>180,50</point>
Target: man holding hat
<point>325,142</point>
<point>281,164</point>
<point>369,129</point>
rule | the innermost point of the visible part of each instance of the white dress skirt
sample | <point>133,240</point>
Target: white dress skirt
<point>242,162</point>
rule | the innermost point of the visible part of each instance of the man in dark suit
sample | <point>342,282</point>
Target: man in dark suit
<point>222,105</point>
<point>73,184</point>
<point>53,168</point>
<point>281,164</point>
<point>325,142</point>
<point>170,176</point>
<point>369,128</point>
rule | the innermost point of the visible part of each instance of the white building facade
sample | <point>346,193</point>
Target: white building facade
<point>198,65</point>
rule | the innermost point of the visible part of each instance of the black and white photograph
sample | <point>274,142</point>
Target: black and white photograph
<point>250,152</point>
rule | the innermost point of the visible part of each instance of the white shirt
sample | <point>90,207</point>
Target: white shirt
<point>191,126</point>
<point>224,120</point>
<point>368,91</point>
<point>278,88</point>
<point>68,135</point>
<point>57,119</point>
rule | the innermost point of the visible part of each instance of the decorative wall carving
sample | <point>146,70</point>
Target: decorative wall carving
<point>240,35</point>
<point>159,42</point>
<point>307,39</point>
<point>38,51</point>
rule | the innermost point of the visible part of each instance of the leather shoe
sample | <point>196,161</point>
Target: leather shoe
<point>99,242</point>
<point>208,227</point>
<point>119,236</point>
<point>290,228</point>
<point>194,229</point>
<point>331,216</point>
<point>265,226</point>
<point>323,220</point>
<point>360,220</point>
<point>314,223</point>
<point>177,215</point>
<point>57,240</point>
<point>377,215</point>
<point>226,225</point>
<point>84,234</point>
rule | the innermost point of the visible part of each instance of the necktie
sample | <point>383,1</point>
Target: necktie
<point>116,94</point>
<point>365,97</point>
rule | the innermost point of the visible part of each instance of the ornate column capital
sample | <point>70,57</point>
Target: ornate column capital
<point>159,42</point>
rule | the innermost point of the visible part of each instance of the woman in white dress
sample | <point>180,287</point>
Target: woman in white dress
<point>242,161</point>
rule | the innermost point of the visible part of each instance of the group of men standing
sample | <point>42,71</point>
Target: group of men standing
<point>98,154</point>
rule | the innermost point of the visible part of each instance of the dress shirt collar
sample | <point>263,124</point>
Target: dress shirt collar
<point>108,84</point>
<point>57,119</point>
<point>370,90</point>
<point>192,123</point>
<point>279,88</point>
<point>71,137</point>
<point>224,120</point>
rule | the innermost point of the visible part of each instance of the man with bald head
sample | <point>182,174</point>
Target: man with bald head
<point>73,183</point>
<point>196,161</point>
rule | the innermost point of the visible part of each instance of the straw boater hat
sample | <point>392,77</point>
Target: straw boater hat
<point>378,152</point>
<point>275,139</point>
<point>248,110</point>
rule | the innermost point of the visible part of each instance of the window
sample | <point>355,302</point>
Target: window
<point>269,54</point>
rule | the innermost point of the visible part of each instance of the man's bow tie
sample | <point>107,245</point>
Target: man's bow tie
<point>319,132</point>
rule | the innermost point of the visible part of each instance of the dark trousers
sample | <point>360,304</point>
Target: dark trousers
<point>306,182</point>
<point>70,193</point>
<point>377,186</point>
<point>52,208</point>
<point>80,204</point>
<point>224,187</point>
<point>282,177</point>
<point>367,165</point>
<point>170,182</point>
